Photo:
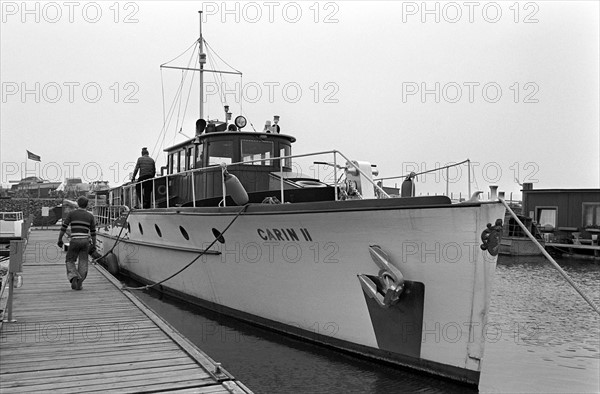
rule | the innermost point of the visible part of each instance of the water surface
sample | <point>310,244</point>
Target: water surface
<point>542,337</point>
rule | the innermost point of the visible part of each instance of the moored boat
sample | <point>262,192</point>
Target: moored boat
<point>11,229</point>
<point>514,240</point>
<point>234,228</point>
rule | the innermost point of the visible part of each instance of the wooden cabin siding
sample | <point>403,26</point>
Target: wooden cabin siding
<point>569,203</point>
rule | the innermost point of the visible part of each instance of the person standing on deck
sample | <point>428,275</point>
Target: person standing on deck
<point>83,237</point>
<point>147,168</point>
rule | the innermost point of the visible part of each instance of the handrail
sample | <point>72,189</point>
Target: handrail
<point>216,166</point>
<point>11,216</point>
<point>413,174</point>
<point>281,159</point>
<point>16,256</point>
<point>423,172</point>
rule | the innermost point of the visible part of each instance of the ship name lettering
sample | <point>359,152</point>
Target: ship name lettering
<point>284,234</point>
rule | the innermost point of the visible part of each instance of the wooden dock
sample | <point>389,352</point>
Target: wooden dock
<point>98,339</point>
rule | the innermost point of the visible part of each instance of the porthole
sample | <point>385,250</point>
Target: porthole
<point>157,230</point>
<point>184,233</point>
<point>218,235</point>
<point>141,229</point>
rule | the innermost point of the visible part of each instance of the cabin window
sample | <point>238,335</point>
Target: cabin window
<point>591,214</point>
<point>257,150</point>
<point>220,152</point>
<point>188,159</point>
<point>176,162</point>
<point>181,164</point>
<point>547,216</point>
<point>286,150</point>
<point>198,159</point>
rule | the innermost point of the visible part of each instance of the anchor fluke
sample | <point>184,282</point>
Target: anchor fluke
<point>387,287</point>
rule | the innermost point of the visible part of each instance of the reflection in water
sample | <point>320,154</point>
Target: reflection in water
<point>542,337</point>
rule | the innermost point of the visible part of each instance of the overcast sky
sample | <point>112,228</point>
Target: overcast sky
<point>512,86</point>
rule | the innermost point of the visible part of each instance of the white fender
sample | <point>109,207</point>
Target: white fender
<point>235,189</point>
<point>112,263</point>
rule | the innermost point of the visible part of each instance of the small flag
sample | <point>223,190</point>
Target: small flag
<point>33,157</point>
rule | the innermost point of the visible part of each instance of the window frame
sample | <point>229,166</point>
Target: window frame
<point>538,210</point>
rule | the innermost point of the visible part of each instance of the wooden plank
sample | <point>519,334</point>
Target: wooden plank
<point>91,383</point>
<point>117,374</point>
<point>130,367</point>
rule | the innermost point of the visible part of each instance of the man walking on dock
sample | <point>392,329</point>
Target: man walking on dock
<point>83,237</point>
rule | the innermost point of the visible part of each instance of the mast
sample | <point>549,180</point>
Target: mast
<point>201,61</point>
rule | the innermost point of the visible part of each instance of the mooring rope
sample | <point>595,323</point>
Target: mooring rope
<point>558,268</point>
<point>195,258</point>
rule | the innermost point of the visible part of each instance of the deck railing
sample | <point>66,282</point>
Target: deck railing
<point>447,168</point>
<point>107,214</point>
<point>129,189</point>
<point>16,254</point>
<point>377,183</point>
<point>11,216</point>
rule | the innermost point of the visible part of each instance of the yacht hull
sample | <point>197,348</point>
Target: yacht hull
<point>301,269</point>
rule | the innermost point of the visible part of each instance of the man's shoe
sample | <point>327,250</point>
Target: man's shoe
<point>79,284</point>
<point>74,283</point>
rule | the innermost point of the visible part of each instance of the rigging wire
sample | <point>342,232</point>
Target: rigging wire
<point>183,77</point>
<point>215,52</point>
<point>167,117</point>
<point>181,54</point>
<point>218,78</point>
<point>218,75</point>
<point>163,132</point>
<point>162,88</point>
<point>176,105</point>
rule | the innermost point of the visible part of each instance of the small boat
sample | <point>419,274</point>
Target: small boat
<point>514,240</point>
<point>233,227</point>
<point>11,229</point>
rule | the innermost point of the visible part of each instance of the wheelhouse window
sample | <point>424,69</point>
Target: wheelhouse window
<point>181,164</point>
<point>188,159</point>
<point>591,214</point>
<point>547,216</point>
<point>257,150</point>
<point>220,152</point>
<point>286,150</point>
<point>198,159</point>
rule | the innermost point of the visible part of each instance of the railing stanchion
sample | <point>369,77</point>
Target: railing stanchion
<point>193,191</point>
<point>153,193</point>
<point>223,184</point>
<point>167,187</point>
<point>469,178</point>
<point>14,265</point>
<point>447,181</point>
<point>335,178</point>
<point>281,179</point>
